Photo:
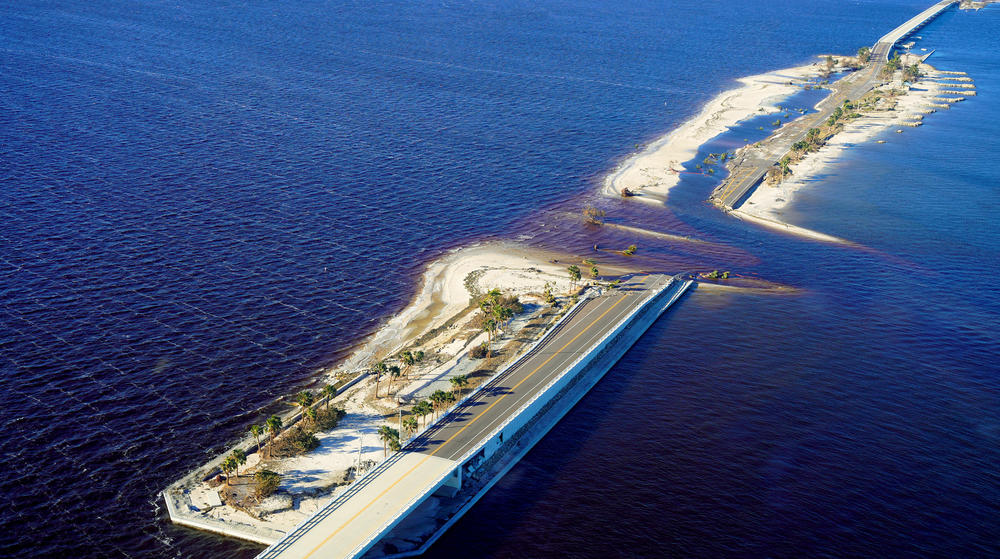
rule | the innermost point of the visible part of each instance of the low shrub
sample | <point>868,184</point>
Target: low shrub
<point>266,483</point>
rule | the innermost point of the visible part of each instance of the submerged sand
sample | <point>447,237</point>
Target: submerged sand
<point>651,173</point>
<point>934,91</point>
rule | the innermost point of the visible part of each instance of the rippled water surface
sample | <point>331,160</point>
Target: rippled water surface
<point>202,204</point>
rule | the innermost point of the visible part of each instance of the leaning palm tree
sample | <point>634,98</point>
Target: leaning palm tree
<point>379,369</point>
<point>310,415</point>
<point>408,360</point>
<point>329,391</point>
<point>228,465</point>
<point>239,458</point>
<point>273,424</point>
<point>257,431</point>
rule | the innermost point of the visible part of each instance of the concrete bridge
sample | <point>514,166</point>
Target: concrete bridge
<point>489,430</point>
<point>745,176</point>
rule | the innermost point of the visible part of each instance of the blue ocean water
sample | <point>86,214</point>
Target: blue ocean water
<point>202,204</point>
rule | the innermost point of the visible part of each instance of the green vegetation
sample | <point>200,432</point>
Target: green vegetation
<point>864,55</point>
<point>630,250</point>
<point>389,437</point>
<point>421,409</point>
<point>594,272</point>
<point>228,465</point>
<point>296,440</point>
<point>479,352</point>
<point>815,139</point>
<point>496,310</point>
<point>410,425</point>
<point>304,399</point>
<point>394,373</point>
<point>409,359</point>
<point>547,293</point>
<point>911,73</point>
<point>715,274</point>
<point>574,276</point>
<point>440,400</point>
<point>267,483</point>
<point>378,370</point>
<point>459,382</point>
<point>273,425</point>
<point>890,67</point>
<point>257,431</point>
<point>329,392</point>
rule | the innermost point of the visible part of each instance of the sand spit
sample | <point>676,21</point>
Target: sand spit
<point>439,322</point>
<point>653,172</point>
<point>765,206</point>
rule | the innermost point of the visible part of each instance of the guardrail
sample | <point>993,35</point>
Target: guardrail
<point>385,463</point>
<point>405,510</point>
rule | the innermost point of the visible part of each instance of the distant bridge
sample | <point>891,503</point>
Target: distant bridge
<point>746,175</point>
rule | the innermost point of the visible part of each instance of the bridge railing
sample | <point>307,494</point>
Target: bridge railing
<point>365,479</point>
<point>404,510</point>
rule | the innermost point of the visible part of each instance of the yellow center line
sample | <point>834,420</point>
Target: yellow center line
<point>459,432</point>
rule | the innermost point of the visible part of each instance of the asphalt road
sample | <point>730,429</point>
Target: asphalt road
<point>748,173</point>
<point>361,514</point>
<point>468,424</point>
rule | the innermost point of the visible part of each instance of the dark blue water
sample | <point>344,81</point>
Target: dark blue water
<point>203,204</point>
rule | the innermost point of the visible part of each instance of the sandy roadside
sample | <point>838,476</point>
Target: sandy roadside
<point>651,173</point>
<point>935,90</point>
<point>437,321</point>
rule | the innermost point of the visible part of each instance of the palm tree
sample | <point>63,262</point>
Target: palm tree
<point>273,424</point>
<point>239,458</point>
<point>329,391</point>
<point>422,408</point>
<point>438,398</point>
<point>410,424</point>
<point>574,276</point>
<point>448,399</point>
<point>594,273</point>
<point>304,399</point>
<point>387,434</point>
<point>310,415</point>
<point>394,373</point>
<point>379,370</point>
<point>407,358</point>
<point>458,382</point>
<point>418,356</point>
<point>228,465</point>
<point>257,431</point>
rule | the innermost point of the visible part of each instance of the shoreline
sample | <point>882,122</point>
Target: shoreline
<point>935,90</point>
<point>650,174</point>
<point>438,320</point>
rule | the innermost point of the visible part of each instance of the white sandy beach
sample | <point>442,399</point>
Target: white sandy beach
<point>652,173</point>
<point>445,293</point>
<point>767,203</point>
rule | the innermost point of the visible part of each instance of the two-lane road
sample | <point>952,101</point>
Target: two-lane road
<point>356,519</point>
